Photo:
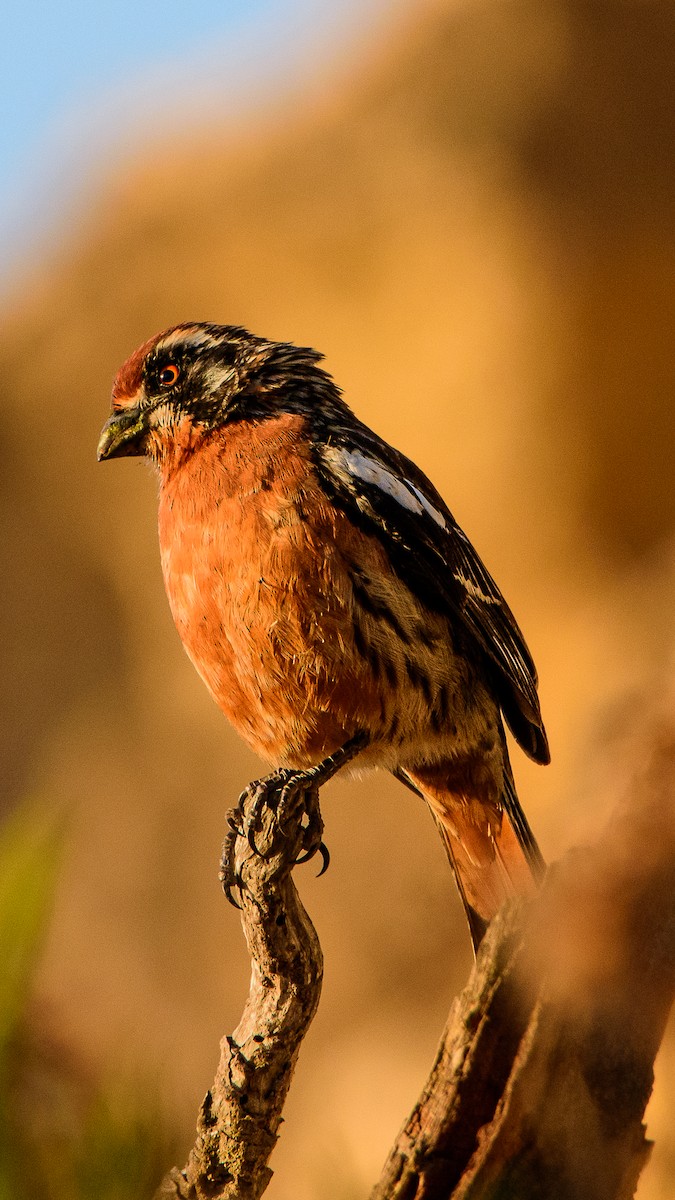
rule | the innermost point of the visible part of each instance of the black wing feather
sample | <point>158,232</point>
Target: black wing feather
<point>437,562</point>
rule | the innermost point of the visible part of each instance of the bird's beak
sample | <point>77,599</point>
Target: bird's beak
<point>122,434</point>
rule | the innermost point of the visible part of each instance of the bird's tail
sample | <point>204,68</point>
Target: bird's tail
<point>492,850</point>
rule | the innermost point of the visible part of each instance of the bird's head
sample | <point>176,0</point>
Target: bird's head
<point>192,379</point>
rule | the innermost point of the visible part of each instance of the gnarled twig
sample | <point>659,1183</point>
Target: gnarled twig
<point>239,1119</point>
<point>546,1066</point>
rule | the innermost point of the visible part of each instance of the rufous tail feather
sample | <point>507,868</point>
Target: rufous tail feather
<point>492,850</point>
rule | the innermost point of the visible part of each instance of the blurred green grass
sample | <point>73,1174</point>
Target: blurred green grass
<point>63,1135</point>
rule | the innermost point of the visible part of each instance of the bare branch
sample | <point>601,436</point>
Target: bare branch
<point>472,1067</point>
<point>546,1066</point>
<point>239,1119</point>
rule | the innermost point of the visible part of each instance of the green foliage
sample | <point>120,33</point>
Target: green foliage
<point>61,1136</point>
<point>29,856</point>
<point>124,1152</point>
<point>30,845</point>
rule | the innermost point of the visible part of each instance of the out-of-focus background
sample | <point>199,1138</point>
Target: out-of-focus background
<point>469,207</point>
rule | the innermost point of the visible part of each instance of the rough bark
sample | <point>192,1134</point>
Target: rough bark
<point>546,1065</point>
<point>482,1037</point>
<point>239,1118</point>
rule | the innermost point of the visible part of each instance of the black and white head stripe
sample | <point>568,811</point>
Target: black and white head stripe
<point>387,495</point>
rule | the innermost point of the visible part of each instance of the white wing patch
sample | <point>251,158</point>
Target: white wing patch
<point>433,512</point>
<point>472,588</point>
<point>369,470</point>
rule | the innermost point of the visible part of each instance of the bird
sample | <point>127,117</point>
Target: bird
<point>335,610</point>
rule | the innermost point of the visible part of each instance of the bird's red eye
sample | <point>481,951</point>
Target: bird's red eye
<point>168,375</point>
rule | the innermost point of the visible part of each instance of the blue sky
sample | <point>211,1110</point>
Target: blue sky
<point>79,81</point>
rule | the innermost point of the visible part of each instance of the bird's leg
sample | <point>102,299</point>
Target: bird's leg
<point>289,795</point>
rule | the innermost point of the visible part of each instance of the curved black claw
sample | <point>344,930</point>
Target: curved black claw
<point>312,829</point>
<point>231,899</point>
<point>321,849</point>
<point>325,859</point>
<point>250,838</point>
<point>229,879</point>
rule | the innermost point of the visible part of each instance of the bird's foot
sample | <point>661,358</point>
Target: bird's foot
<point>271,814</point>
<point>281,811</point>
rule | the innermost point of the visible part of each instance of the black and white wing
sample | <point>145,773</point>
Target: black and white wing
<point>386,494</point>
